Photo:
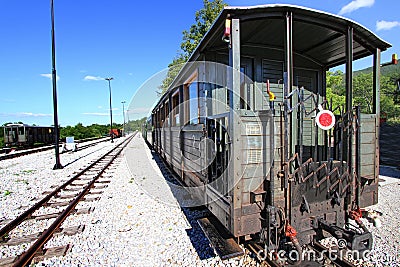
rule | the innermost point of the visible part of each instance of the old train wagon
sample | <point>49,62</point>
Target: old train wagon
<point>27,136</point>
<point>248,127</point>
<point>116,133</point>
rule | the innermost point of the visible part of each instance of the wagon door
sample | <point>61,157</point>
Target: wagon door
<point>21,134</point>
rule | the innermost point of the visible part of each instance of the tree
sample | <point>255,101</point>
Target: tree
<point>204,18</point>
<point>173,69</point>
<point>335,89</point>
<point>135,125</point>
<point>363,92</point>
<point>81,132</point>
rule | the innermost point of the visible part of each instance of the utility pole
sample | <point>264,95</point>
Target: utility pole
<point>109,87</point>
<point>123,113</point>
<point>54,80</point>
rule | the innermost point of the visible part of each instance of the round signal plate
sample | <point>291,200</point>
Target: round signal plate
<point>325,119</point>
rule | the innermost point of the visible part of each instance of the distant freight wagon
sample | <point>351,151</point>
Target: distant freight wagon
<point>116,133</point>
<point>24,135</point>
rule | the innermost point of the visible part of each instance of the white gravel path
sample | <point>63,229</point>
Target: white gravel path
<point>386,251</point>
<point>135,224</point>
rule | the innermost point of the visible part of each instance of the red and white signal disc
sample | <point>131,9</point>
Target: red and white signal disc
<point>325,119</point>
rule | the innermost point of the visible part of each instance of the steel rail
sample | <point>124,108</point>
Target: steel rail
<point>44,148</point>
<point>336,260</point>
<point>28,255</point>
<point>26,214</point>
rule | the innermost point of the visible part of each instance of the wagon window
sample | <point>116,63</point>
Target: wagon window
<point>158,120</point>
<point>175,109</point>
<point>191,102</point>
<point>243,104</point>
<point>162,119</point>
<point>166,114</point>
<point>194,103</point>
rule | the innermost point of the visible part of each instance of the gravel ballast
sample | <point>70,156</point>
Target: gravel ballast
<point>138,221</point>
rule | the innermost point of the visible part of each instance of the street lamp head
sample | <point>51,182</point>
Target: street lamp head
<point>109,79</point>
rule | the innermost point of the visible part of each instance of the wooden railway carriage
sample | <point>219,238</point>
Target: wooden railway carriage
<point>258,158</point>
<point>26,135</point>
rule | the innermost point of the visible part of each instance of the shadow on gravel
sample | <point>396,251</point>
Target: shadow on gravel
<point>389,171</point>
<point>389,142</point>
<point>195,233</point>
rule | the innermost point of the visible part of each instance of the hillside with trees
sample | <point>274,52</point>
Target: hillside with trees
<point>363,92</point>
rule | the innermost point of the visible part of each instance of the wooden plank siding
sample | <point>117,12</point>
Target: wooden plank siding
<point>368,146</point>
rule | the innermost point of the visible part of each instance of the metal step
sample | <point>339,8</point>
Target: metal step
<point>224,244</point>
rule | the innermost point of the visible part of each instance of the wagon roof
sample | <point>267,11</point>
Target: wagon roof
<point>26,125</point>
<point>317,34</point>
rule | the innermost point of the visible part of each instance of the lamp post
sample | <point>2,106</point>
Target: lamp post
<point>54,80</point>
<point>123,113</point>
<point>109,87</point>
<point>127,114</point>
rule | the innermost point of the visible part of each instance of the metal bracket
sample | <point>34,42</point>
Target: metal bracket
<point>304,205</point>
<point>354,240</point>
<point>335,199</point>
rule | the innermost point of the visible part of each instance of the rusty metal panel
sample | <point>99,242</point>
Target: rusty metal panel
<point>249,224</point>
<point>252,184</point>
<point>369,195</point>
<point>251,209</point>
<point>245,198</point>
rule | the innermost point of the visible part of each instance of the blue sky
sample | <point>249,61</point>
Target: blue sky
<point>128,40</point>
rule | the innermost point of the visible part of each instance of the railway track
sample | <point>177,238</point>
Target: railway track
<point>44,148</point>
<point>70,193</point>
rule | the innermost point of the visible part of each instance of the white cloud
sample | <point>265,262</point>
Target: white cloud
<point>356,4</point>
<point>93,78</point>
<point>102,113</point>
<point>49,75</point>
<point>96,113</point>
<point>386,25</point>
<point>25,114</point>
<point>30,114</point>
